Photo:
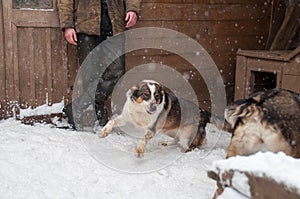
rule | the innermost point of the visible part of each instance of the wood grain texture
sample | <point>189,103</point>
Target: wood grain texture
<point>36,62</point>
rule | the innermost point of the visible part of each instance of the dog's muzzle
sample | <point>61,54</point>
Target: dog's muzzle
<point>152,108</point>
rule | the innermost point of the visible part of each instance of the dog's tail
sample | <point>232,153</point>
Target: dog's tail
<point>208,117</point>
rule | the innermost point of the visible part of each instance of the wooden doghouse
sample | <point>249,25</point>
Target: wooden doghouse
<point>258,70</point>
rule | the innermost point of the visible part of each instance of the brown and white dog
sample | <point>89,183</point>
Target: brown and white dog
<point>266,121</point>
<point>152,107</point>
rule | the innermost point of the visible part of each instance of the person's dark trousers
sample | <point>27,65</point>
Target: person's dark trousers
<point>104,88</point>
<point>89,72</point>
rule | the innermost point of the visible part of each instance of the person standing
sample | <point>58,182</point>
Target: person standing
<point>86,24</point>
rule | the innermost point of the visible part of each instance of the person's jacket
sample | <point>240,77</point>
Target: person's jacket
<point>85,15</point>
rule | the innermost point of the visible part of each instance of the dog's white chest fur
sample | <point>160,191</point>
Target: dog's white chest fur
<point>137,114</point>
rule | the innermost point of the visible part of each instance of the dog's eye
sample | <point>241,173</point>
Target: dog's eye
<point>157,96</point>
<point>145,95</point>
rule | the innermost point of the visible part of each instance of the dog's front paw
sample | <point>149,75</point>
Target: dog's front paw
<point>104,132</point>
<point>106,129</point>
<point>139,151</point>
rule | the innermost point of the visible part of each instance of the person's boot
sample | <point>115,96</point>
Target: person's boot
<point>74,119</point>
<point>102,114</point>
<point>79,105</point>
<point>67,110</point>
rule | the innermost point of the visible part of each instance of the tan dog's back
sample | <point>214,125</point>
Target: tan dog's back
<point>267,121</point>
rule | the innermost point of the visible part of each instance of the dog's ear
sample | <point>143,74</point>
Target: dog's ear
<point>161,89</point>
<point>167,90</point>
<point>234,111</point>
<point>242,109</point>
<point>134,88</point>
<point>133,93</point>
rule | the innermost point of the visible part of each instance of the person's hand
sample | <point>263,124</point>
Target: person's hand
<point>131,19</point>
<point>70,35</point>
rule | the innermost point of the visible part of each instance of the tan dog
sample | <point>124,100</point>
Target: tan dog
<point>150,106</point>
<point>266,121</point>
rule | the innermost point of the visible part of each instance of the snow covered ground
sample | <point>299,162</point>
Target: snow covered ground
<point>45,162</point>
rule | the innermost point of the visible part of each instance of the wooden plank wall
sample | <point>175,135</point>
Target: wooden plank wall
<point>220,26</point>
<point>43,74</point>
<point>44,70</point>
<point>37,65</point>
<point>43,63</point>
<point>2,66</point>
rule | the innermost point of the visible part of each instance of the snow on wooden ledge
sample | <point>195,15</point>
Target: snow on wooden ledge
<point>42,114</point>
<point>258,176</point>
<point>41,110</point>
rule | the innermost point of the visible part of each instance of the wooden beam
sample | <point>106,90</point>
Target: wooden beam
<point>277,16</point>
<point>288,29</point>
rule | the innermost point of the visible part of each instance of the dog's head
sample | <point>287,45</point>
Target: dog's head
<point>244,109</point>
<point>149,94</point>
